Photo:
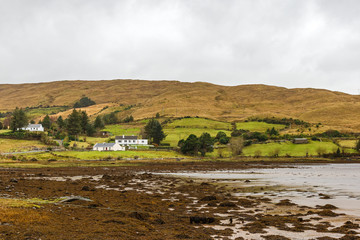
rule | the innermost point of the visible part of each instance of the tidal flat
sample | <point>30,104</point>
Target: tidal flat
<point>202,200</point>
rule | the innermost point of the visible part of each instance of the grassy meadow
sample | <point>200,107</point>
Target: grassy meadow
<point>95,155</point>
<point>118,129</point>
<point>182,128</point>
<point>258,126</point>
<point>290,149</point>
<point>199,123</point>
<point>347,143</point>
<point>15,145</point>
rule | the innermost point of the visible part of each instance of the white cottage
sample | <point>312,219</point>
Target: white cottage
<point>34,128</point>
<point>108,147</point>
<point>130,140</point>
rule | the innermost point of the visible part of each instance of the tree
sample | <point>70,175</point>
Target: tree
<point>154,131</point>
<point>128,119</point>
<point>98,124</point>
<point>190,145</point>
<point>18,119</point>
<point>90,130</point>
<point>1,125</point>
<point>236,145</point>
<point>357,147</point>
<point>60,122</point>
<point>205,144</point>
<point>73,123</point>
<point>157,115</point>
<point>272,132</point>
<point>46,122</point>
<point>84,102</point>
<point>84,121</point>
<point>110,118</point>
<point>222,138</point>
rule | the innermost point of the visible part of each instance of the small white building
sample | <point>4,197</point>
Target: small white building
<point>34,128</point>
<point>108,147</point>
<point>130,140</point>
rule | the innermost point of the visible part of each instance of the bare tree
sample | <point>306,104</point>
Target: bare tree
<point>236,145</point>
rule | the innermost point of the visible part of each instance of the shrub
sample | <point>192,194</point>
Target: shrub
<point>84,102</point>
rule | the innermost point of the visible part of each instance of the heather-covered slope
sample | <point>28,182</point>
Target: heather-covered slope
<point>173,98</point>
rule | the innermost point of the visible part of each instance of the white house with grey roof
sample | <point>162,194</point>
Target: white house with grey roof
<point>130,140</point>
<point>108,147</point>
<point>34,128</point>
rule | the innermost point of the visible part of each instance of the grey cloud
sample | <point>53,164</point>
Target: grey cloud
<point>308,43</point>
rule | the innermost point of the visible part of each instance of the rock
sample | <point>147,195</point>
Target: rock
<point>285,202</point>
<point>75,198</point>
<point>327,206</point>
<point>85,188</point>
<point>182,236</point>
<point>327,213</point>
<point>203,220</point>
<point>227,204</point>
<point>139,216</point>
<point>14,180</point>
<point>208,198</point>
<point>114,221</point>
<point>159,221</point>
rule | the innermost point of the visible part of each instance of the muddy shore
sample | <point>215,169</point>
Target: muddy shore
<point>132,203</point>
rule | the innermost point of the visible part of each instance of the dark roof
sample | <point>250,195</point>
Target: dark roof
<point>34,125</point>
<point>126,137</point>
<point>104,145</point>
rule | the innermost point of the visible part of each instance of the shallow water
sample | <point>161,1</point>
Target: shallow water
<point>340,181</point>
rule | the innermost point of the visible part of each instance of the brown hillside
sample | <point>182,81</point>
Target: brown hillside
<point>173,98</point>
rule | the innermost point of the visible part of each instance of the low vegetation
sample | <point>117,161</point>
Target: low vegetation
<point>274,149</point>
<point>258,126</point>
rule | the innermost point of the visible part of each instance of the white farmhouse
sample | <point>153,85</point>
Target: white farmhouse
<point>108,147</point>
<point>34,128</point>
<point>130,140</point>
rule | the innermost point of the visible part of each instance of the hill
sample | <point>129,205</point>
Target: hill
<point>176,99</point>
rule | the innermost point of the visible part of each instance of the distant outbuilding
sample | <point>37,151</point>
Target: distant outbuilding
<point>300,140</point>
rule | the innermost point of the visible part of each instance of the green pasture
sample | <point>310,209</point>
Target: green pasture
<point>37,112</point>
<point>347,143</point>
<point>173,135</point>
<point>199,123</point>
<point>4,131</point>
<point>258,126</point>
<point>15,145</point>
<point>118,130</point>
<point>96,155</point>
<point>290,149</point>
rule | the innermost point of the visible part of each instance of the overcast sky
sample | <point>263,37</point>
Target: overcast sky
<point>290,43</point>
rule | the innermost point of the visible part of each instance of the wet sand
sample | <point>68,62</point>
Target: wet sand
<point>135,203</point>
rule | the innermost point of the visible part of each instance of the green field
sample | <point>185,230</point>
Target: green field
<point>290,149</point>
<point>118,130</point>
<point>14,145</point>
<point>199,123</point>
<point>347,143</point>
<point>182,128</point>
<point>37,112</point>
<point>258,126</point>
<point>95,155</point>
<point>173,135</point>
